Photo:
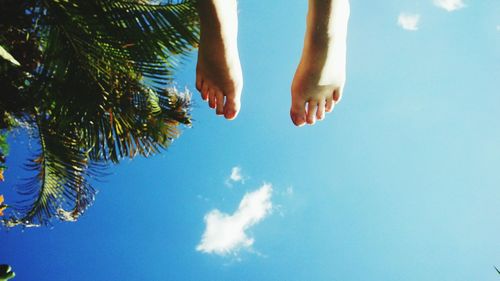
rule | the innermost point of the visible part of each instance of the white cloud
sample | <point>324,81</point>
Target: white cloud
<point>235,176</point>
<point>225,234</point>
<point>498,27</point>
<point>449,5</point>
<point>409,21</point>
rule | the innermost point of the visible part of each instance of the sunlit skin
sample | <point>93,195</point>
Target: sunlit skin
<point>218,72</point>
<point>319,79</point>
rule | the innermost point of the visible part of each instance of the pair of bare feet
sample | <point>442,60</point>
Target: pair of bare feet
<point>319,79</point>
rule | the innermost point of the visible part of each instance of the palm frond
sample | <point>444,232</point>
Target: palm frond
<point>61,180</point>
<point>126,35</point>
<point>144,126</point>
<point>7,56</point>
<point>94,83</point>
<point>124,51</point>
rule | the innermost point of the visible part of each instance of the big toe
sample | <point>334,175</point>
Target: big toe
<point>298,113</point>
<point>231,108</point>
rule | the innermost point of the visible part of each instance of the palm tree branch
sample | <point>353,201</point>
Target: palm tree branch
<point>60,181</point>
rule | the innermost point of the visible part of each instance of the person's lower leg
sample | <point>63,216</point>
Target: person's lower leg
<point>320,77</point>
<point>218,71</point>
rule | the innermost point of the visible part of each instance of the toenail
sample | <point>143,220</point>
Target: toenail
<point>229,114</point>
<point>298,121</point>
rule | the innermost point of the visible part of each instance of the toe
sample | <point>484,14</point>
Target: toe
<point>312,108</point>
<point>337,95</point>
<point>329,104</point>
<point>320,114</point>
<point>211,98</point>
<point>204,90</point>
<point>231,108</point>
<point>220,102</point>
<point>297,112</point>
<point>198,82</point>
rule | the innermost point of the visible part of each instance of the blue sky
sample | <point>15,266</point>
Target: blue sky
<point>401,182</point>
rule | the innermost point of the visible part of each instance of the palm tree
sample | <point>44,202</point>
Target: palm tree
<point>90,81</point>
<point>6,272</point>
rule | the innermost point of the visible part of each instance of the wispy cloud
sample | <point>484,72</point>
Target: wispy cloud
<point>225,234</point>
<point>409,21</point>
<point>450,5</point>
<point>235,176</point>
<point>498,27</point>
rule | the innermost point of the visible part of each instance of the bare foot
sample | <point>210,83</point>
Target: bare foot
<point>320,77</point>
<point>218,72</point>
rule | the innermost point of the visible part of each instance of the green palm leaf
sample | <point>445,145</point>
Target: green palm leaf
<point>60,183</point>
<point>7,56</point>
<point>110,57</point>
<point>99,92</point>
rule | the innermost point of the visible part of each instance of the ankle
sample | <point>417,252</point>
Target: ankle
<point>327,19</point>
<point>219,21</point>
<point>215,13</point>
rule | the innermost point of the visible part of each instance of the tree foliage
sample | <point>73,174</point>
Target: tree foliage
<point>93,86</point>
<point>6,272</point>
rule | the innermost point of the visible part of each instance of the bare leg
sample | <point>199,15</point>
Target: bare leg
<point>218,72</point>
<point>320,77</point>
